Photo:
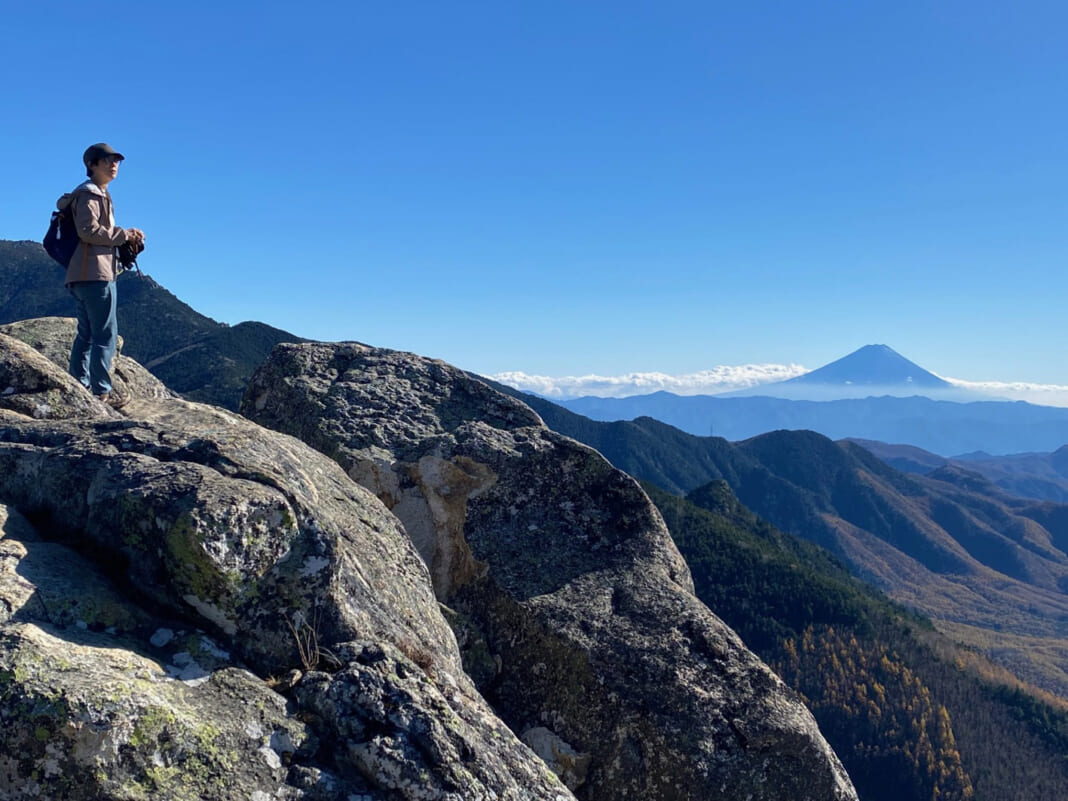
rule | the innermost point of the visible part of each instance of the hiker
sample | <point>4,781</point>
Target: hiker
<point>92,271</point>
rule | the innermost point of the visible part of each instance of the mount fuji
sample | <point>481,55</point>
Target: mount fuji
<point>873,393</point>
<point>870,371</point>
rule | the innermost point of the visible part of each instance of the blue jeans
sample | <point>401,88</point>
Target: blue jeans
<point>98,334</point>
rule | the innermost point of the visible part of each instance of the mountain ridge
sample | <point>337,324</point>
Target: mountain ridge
<point>854,654</point>
<point>832,658</point>
<point>932,543</point>
<point>193,354</point>
<point>944,427</point>
<point>1038,476</point>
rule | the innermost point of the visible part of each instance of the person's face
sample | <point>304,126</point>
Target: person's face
<point>105,169</point>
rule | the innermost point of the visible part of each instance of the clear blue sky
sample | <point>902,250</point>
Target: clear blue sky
<point>573,187</point>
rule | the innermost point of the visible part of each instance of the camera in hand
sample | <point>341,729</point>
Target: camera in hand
<point>128,252</point>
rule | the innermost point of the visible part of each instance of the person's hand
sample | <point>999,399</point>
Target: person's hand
<point>136,234</point>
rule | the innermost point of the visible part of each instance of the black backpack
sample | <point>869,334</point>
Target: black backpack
<point>61,239</point>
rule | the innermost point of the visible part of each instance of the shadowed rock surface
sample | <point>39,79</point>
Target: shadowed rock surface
<point>273,563</point>
<point>91,710</point>
<point>572,604</point>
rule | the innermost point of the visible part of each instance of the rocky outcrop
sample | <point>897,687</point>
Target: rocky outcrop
<point>32,386</point>
<point>196,607</point>
<point>44,392</point>
<point>91,709</point>
<point>574,608</point>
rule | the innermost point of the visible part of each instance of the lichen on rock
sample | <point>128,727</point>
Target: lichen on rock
<point>90,710</point>
<point>218,565</point>
<point>32,386</point>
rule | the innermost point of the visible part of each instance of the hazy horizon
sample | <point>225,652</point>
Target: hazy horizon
<point>724,379</point>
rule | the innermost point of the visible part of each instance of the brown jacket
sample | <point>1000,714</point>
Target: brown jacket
<point>94,217</point>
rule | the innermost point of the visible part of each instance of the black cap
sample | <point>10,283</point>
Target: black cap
<point>99,151</point>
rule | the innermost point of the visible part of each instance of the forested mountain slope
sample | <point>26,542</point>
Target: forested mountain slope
<point>911,715</point>
<point>989,569</point>
<point>194,355</point>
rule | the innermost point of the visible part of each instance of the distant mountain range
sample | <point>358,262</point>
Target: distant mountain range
<point>203,359</point>
<point>209,361</point>
<point>950,543</point>
<point>873,394</point>
<point>1042,476</point>
<point>942,427</point>
<point>989,568</point>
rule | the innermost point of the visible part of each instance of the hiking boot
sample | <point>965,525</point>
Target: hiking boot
<point>113,399</point>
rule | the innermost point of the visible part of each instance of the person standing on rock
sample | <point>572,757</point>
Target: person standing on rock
<point>91,272</point>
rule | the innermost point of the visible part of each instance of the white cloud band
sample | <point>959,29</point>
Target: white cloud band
<point>705,382</point>
<point>1041,394</point>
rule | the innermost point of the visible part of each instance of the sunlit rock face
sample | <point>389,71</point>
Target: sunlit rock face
<point>573,608</point>
<point>34,355</point>
<point>195,607</point>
